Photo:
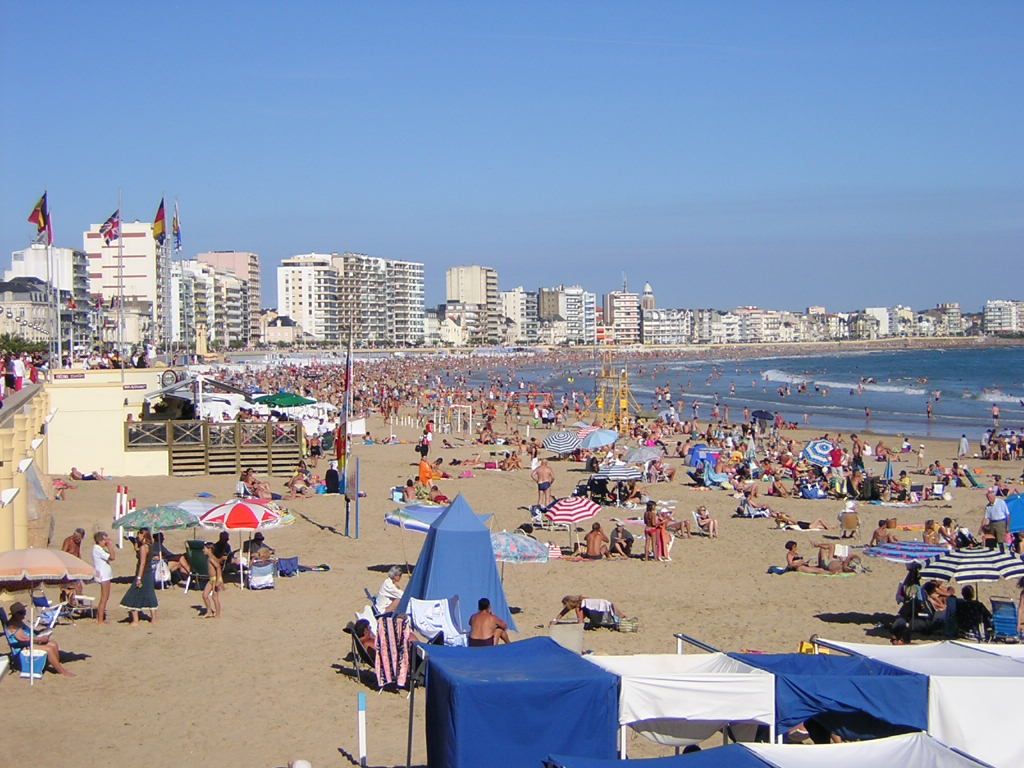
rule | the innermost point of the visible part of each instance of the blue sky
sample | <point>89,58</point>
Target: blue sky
<point>779,154</point>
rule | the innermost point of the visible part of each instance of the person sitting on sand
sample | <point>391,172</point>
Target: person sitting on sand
<point>776,488</point>
<point>883,534</point>
<point>595,546</point>
<point>76,475</point>
<point>621,544</point>
<point>485,628</point>
<point>931,535</point>
<point>20,636</point>
<point>796,562</point>
<point>409,491</point>
<point>510,462</point>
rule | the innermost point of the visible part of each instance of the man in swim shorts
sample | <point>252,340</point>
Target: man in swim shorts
<point>485,628</point>
<point>543,476</point>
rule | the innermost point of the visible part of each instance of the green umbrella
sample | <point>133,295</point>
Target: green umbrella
<point>283,400</point>
<point>164,517</point>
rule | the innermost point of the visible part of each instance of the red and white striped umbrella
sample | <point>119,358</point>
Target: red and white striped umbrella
<point>241,515</point>
<point>584,431</point>
<point>572,509</point>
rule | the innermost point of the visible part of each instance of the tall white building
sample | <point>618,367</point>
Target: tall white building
<point>404,301</point>
<point>519,310</point>
<point>307,292</point>
<point>1003,316</point>
<point>477,285</point>
<point>68,271</point>
<point>622,317</point>
<point>245,265</point>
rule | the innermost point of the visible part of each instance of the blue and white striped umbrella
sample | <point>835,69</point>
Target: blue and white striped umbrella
<point>599,438</point>
<point>817,452</point>
<point>562,442</point>
<point>971,565</point>
<point>619,473</point>
<point>887,473</point>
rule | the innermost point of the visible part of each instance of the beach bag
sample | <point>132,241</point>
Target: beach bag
<point>162,572</point>
<point>631,624</point>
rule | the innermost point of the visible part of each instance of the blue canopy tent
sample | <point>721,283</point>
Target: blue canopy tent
<point>1015,503</point>
<point>700,452</point>
<point>845,695</point>
<point>512,705</point>
<point>457,559</point>
<point>729,756</point>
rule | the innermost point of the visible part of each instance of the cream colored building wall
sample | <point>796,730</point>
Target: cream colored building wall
<point>87,430</point>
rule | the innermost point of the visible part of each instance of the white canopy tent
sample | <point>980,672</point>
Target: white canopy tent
<point>677,700</point>
<point>912,749</point>
<point>974,698</point>
<point>1015,652</point>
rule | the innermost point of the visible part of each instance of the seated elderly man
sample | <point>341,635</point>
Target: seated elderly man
<point>390,592</point>
<point>621,541</point>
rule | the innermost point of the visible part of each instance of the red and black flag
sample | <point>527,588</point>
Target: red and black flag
<point>40,216</point>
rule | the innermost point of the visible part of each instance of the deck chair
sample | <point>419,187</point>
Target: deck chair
<point>1004,619</point>
<point>197,563</point>
<point>48,613</point>
<point>438,620</point>
<point>972,479</point>
<point>260,574</point>
<point>850,526</point>
<point>373,603</point>
<point>713,479</point>
<point>362,660</point>
<point>14,648</point>
<point>697,530</point>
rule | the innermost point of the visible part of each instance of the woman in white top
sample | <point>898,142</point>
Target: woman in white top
<point>102,554</point>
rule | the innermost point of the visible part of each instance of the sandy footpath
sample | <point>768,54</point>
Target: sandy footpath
<point>266,684</point>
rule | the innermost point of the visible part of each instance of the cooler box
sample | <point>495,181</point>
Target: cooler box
<point>32,666</point>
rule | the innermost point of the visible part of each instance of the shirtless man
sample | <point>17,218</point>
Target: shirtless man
<point>485,628</point>
<point>596,543</point>
<point>882,534</point>
<point>543,477</point>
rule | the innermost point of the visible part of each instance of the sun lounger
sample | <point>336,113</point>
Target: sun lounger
<point>971,478</point>
<point>198,564</point>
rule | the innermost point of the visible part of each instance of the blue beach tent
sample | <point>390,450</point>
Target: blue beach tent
<point>457,559</point>
<point>854,696</point>
<point>729,756</point>
<point>1015,504</point>
<point>513,705</point>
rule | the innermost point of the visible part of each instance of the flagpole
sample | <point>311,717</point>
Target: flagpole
<point>120,285</point>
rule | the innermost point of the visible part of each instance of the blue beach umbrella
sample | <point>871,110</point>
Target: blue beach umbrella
<point>619,473</point>
<point>818,452</point>
<point>887,473</point>
<point>600,438</point>
<point>562,442</point>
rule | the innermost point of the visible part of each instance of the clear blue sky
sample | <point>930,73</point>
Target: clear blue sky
<point>779,154</point>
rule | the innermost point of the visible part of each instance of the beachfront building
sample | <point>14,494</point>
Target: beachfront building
<point>576,306</point>
<point>403,294</point>
<point>666,326</point>
<point>26,309</point>
<point>519,310</point>
<point>245,265</point>
<point>127,270</point>
<point>881,325</point>
<point>622,317</point>
<point>361,298</point>
<point>1003,316</point>
<point>307,292</point>
<point>67,270</point>
<point>476,286</point>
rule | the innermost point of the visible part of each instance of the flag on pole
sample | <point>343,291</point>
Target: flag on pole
<point>111,228</point>
<point>40,216</point>
<point>176,227</point>
<point>159,225</point>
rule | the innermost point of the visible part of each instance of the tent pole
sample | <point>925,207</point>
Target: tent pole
<point>622,742</point>
<point>408,743</point>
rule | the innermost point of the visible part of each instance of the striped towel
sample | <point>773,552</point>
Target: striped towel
<point>554,552</point>
<point>394,650</point>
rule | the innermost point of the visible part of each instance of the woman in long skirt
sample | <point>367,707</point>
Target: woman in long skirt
<point>141,595</point>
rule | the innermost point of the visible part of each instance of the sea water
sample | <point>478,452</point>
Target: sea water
<point>961,385</point>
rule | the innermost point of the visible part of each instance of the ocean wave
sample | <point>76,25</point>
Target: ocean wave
<point>775,375</point>
<point>873,387</point>
<point>995,397</point>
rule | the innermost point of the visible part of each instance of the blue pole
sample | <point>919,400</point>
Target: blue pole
<point>362,729</point>
<point>357,498</point>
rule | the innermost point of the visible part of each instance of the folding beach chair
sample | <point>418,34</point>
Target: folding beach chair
<point>260,574</point>
<point>850,526</point>
<point>197,563</point>
<point>1004,620</point>
<point>48,612</point>
<point>14,647</point>
<point>362,660</point>
<point>438,620</point>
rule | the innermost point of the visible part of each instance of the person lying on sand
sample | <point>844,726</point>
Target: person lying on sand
<point>782,520</point>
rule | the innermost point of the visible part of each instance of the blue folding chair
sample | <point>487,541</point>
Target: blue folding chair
<point>1004,619</point>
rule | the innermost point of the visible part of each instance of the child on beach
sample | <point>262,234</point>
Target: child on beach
<point>214,585</point>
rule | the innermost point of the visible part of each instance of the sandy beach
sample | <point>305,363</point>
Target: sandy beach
<point>266,683</point>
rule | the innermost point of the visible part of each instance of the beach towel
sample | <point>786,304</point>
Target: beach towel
<point>394,651</point>
<point>905,551</point>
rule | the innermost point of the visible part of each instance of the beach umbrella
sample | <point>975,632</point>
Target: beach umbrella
<point>283,400</point>
<point>887,473</point>
<point>972,565</point>
<point>643,454</point>
<point>242,515</point>
<point>584,430</point>
<point>763,415</point>
<point>562,442</point>
<point>163,517</point>
<point>572,510</point>
<point>600,438</point>
<point>517,548</point>
<point>419,517</point>
<point>619,473</point>
<point>818,452</point>
<point>26,569</point>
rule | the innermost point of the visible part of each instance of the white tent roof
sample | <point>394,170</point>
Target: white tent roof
<point>1015,652</point>
<point>974,698</point>
<point>676,699</point>
<point>912,749</point>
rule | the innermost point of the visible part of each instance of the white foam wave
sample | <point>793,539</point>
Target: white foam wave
<point>775,375</point>
<point>873,387</point>
<point>997,397</point>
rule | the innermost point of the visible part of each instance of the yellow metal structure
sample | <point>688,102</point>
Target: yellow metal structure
<point>614,403</point>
